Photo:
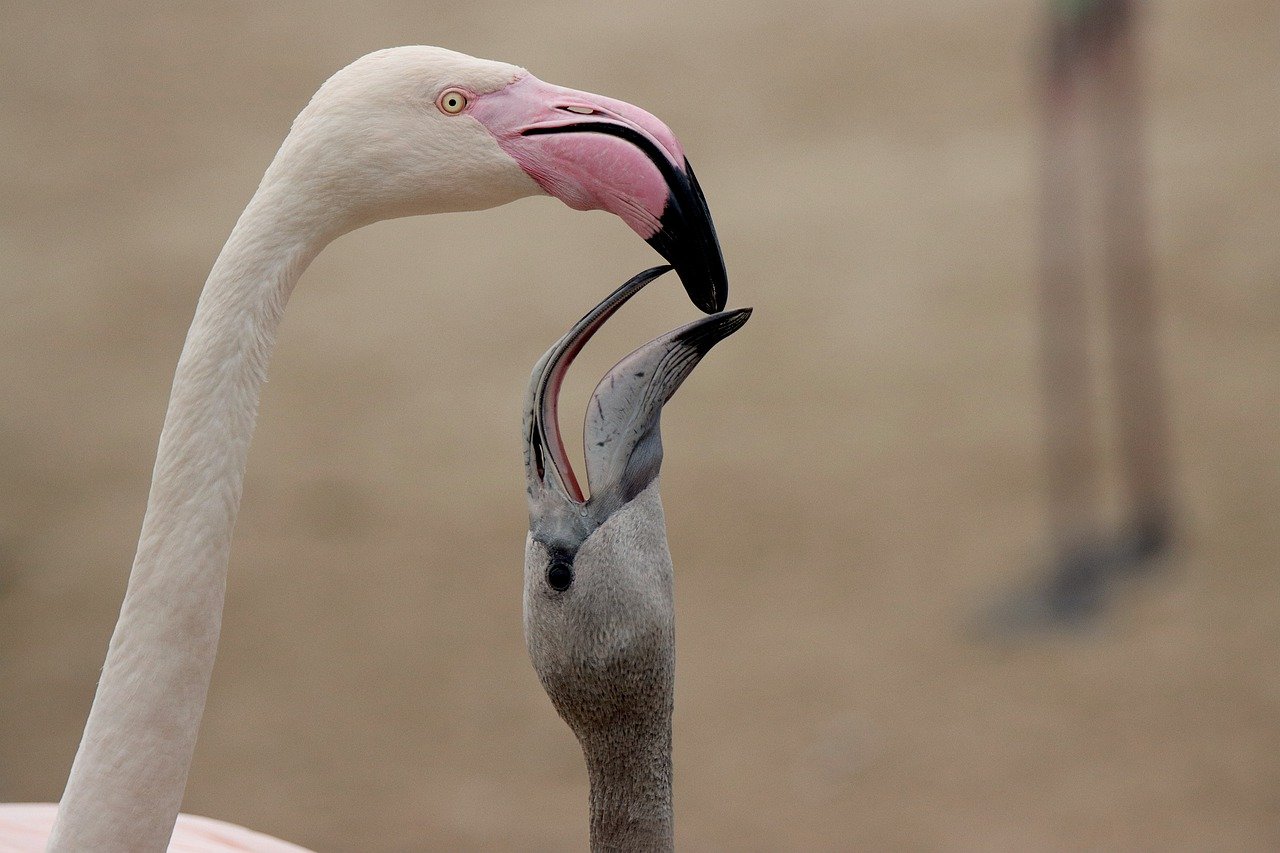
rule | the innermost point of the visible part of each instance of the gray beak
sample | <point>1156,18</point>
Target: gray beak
<point>621,437</point>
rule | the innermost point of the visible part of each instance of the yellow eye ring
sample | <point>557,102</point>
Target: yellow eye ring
<point>452,101</point>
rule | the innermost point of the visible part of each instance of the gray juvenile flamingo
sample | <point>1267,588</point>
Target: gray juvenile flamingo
<point>598,612</point>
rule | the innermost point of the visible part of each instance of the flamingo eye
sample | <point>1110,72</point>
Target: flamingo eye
<point>452,101</point>
<point>559,575</point>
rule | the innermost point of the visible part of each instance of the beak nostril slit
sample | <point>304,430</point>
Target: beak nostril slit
<point>582,111</point>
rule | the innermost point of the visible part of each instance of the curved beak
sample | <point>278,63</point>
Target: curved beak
<point>546,462</point>
<point>623,449</point>
<point>598,153</point>
<point>620,438</point>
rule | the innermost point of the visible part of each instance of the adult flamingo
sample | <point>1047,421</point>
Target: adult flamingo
<point>405,131</point>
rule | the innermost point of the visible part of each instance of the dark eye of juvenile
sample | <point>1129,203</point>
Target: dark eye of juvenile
<point>559,576</point>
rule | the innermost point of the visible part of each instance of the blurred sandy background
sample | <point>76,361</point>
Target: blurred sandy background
<point>846,482</point>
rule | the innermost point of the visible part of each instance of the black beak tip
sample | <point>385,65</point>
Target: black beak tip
<point>687,239</point>
<point>701,270</point>
<point>709,289</point>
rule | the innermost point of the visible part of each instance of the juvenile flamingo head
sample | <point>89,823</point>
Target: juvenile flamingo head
<point>415,130</point>
<point>597,584</point>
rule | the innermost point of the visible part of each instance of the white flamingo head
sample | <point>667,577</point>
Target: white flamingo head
<point>415,130</point>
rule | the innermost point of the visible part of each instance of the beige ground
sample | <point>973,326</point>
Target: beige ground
<point>846,481</point>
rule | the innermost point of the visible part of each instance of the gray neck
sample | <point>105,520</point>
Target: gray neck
<point>630,773</point>
<point>628,747</point>
<point>605,653</point>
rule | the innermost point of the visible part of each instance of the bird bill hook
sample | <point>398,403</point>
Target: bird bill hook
<point>598,153</point>
<point>685,234</point>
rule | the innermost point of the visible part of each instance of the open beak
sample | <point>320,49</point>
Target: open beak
<point>620,437</point>
<point>546,459</point>
<point>597,153</point>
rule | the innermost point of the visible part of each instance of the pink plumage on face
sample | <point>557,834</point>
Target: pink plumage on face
<point>598,153</point>
<point>586,172</point>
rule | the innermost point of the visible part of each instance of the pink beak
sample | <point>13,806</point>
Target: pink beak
<point>596,153</point>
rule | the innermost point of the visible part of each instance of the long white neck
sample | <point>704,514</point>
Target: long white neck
<point>127,782</point>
